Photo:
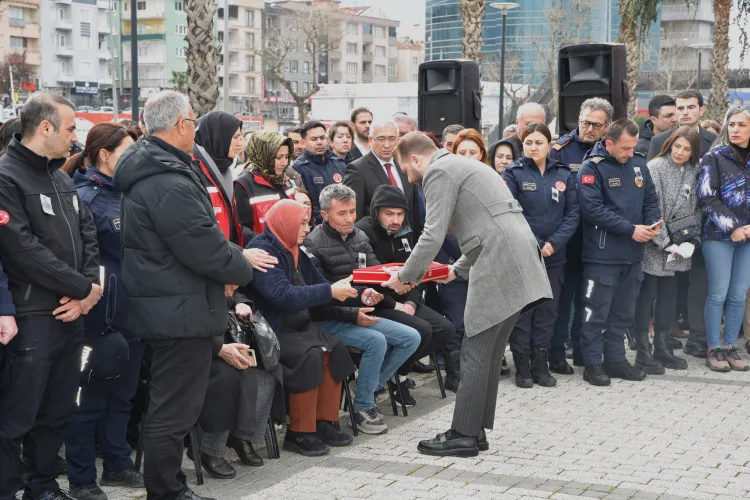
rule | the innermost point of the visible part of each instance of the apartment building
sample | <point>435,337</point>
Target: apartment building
<point>20,33</point>
<point>410,56</point>
<point>242,49</point>
<point>76,51</point>
<point>686,30</point>
<point>364,50</point>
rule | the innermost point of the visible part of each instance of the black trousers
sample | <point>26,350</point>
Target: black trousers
<point>570,304</point>
<point>697,295</point>
<point>535,328</point>
<point>38,388</point>
<point>683,289</point>
<point>434,329</point>
<point>663,290</point>
<point>179,378</point>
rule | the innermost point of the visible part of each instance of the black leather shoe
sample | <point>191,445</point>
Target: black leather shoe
<point>674,343</point>
<point>331,436</point>
<point>522,360</point>
<point>595,375</point>
<point>58,494</point>
<point>217,467</point>
<point>625,371</point>
<point>664,355</point>
<point>561,367</point>
<point>188,494</point>
<point>245,451</point>
<point>645,359</point>
<point>482,443</point>
<point>540,368</point>
<point>419,367</point>
<point>450,444</point>
<point>696,348</point>
<point>306,444</point>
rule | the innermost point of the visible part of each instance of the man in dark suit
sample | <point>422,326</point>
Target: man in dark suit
<point>362,120</point>
<point>377,168</point>
<point>690,108</point>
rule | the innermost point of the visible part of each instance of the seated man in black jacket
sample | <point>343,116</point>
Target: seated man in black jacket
<point>342,248</point>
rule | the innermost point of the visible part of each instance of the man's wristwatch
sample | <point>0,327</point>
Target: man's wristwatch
<point>402,280</point>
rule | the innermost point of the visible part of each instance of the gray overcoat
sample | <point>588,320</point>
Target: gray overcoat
<point>501,258</point>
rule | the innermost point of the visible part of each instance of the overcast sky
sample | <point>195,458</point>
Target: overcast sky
<point>409,12</point>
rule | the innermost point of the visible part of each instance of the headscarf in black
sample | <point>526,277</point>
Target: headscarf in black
<point>214,133</point>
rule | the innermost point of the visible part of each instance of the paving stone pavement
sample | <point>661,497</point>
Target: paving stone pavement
<point>679,436</point>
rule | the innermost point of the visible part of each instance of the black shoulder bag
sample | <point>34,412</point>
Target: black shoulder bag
<point>686,228</point>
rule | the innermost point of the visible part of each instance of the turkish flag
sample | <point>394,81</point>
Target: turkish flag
<point>587,179</point>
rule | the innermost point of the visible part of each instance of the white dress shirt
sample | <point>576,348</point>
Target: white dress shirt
<point>394,170</point>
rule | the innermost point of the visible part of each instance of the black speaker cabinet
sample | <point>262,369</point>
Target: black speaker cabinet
<point>590,70</point>
<point>449,94</point>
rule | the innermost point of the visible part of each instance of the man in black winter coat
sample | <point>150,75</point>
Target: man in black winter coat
<point>49,251</point>
<point>392,240</point>
<point>177,268</point>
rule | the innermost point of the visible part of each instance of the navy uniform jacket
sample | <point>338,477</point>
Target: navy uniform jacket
<point>317,172</point>
<point>548,201</point>
<point>613,199</point>
<point>6,299</point>
<point>103,201</point>
<point>571,151</point>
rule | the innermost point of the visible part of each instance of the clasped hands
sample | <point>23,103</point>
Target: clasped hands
<point>741,234</point>
<point>71,309</point>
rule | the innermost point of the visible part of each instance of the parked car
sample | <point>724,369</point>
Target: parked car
<point>85,109</point>
<point>106,109</point>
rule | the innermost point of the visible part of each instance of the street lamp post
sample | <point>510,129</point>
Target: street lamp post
<point>699,47</point>
<point>504,7</point>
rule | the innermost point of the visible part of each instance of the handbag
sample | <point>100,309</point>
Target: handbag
<point>686,228</point>
<point>259,335</point>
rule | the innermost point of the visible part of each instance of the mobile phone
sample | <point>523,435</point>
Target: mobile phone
<point>655,225</point>
<point>250,354</point>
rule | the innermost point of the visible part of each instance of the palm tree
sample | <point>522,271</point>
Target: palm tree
<point>202,56</point>
<point>179,79</point>
<point>472,15</point>
<point>636,18</point>
<point>717,104</point>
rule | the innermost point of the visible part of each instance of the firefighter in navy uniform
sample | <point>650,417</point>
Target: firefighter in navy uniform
<point>571,149</point>
<point>49,251</point>
<point>620,212</point>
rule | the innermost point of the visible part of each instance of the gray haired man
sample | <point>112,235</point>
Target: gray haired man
<point>531,112</point>
<point>177,267</point>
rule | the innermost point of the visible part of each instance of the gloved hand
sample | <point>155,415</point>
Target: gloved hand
<point>686,250</point>
<point>672,248</point>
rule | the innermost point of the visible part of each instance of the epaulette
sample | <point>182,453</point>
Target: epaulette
<point>558,146</point>
<point>596,159</point>
<point>638,153</point>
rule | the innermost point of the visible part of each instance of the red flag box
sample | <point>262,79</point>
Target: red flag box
<point>375,275</point>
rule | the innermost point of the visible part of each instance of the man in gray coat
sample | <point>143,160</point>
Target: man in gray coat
<point>500,259</point>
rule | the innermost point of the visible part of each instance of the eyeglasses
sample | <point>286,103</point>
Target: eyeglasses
<point>187,120</point>
<point>585,125</point>
<point>382,140</point>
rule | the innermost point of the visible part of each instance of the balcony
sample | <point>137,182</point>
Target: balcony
<point>367,77</point>
<point>30,29</point>
<point>64,51</point>
<point>334,55</point>
<point>105,54</point>
<point>367,57</point>
<point>151,13</point>
<point>704,13</point>
<point>66,78</point>
<point>64,1</point>
<point>64,24</point>
<point>104,28</point>
<point>104,4</point>
<point>150,82</point>
<point>105,80</point>
<point>334,76</point>
<point>16,23</point>
<point>33,56</point>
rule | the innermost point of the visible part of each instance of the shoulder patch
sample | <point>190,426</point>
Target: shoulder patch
<point>557,147</point>
<point>596,159</point>
<point>638,153</point>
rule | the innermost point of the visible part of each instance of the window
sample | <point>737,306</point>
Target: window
<point>380,51</point>
<point>379,32</point>
<point>179,6</point>
<point>352,28</point>
<point>287,66</point>
<point>294,86</point>
<point>391,70</point>
<point>250,40</point>
<point>102,42</point>
<point>141,29</point>
<point>85,29</point>
<point>414,77</point>
<point>415,60</point>
<point>352,48</point>
<point>391,32</point>
<point>181,29</point>
<point>62,67</point>
<point>60,14</point>
<point>305,87</point>
<point>234,12</point>
<point>125,5</point>
<point>391,51</point>
<point>142,50</point>
<point>86,42</point>
<point>379,70</point>
<point>61,41</point>
<point>351,68</point>
<point>180,52</point>
<point>249,18</point>
<point>249,63</point>
<point>367,29</point>
<point>251,85</point>
<point>16,13</point>
<point>141,5</point>
<point>306,67</point>
<point>17,42</point>
<point>295,67</point>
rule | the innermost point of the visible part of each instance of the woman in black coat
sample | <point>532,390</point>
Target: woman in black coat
<point>290,296</point>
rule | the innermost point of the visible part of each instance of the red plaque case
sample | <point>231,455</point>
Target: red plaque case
<point>375,275</point>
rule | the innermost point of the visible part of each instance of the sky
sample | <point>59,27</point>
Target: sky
<point>409,12</point>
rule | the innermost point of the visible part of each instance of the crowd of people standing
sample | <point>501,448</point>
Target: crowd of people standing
<point>158,241</point>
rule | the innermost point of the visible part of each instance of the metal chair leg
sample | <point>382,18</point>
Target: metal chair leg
<point>195,445</point>
<point>350,406</point>
<point>272,441</point>
<point>433,357</point>
<point>400,398</point>
<point>141,441</point>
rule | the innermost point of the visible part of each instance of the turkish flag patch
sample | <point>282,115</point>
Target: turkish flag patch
<point>587,179</point>
<point>4,217</point>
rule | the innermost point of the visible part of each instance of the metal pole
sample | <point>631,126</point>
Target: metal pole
<point>501,97</point>
<point>134,59</point>
<point>226,55</point>
<point>700,54</point>
<point>115,104</point>
<point>12,89</point>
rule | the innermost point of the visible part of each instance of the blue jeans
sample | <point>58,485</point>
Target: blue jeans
<point>377,365</point>
<point>728,272</point>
